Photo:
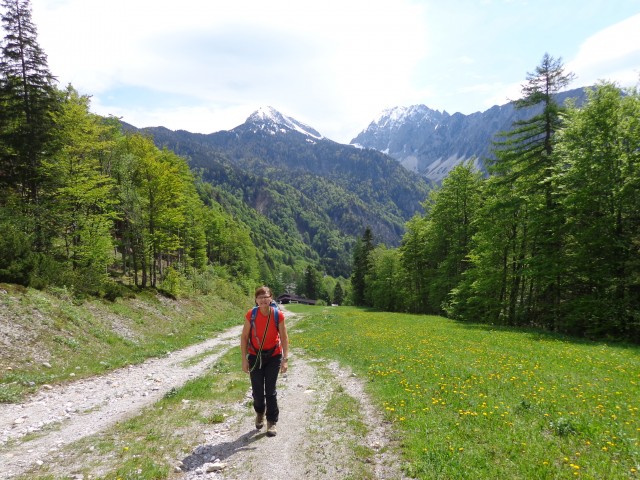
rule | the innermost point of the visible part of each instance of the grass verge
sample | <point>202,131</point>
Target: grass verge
<point>479,402</point>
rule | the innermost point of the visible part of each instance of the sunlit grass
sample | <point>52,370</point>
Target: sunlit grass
<point>474,401</point>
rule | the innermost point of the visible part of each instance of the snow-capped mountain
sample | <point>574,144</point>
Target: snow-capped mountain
<point>268,119</point>
<point>324,188</point>
<point>431,143</point>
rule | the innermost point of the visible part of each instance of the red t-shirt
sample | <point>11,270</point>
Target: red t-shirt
<point>273,336</point>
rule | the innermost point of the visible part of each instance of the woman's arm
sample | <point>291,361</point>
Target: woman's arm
<point>244,341</point>
<point>284,341</point>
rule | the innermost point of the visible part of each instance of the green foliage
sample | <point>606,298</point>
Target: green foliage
<point>80,196</point>
<point>436,247</point>
<point>15,250</point>
<point>601,148</point>
<point>338,294</point>
<point>384,289</point>
<point>311,287</point>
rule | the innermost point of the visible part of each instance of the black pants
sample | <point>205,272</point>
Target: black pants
<point>263,385</point>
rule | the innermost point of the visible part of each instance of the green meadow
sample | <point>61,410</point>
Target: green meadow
<point>480,402</point>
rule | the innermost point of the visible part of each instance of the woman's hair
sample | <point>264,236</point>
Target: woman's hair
<point>264,290</point>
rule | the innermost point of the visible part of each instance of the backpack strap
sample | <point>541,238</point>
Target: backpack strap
<point>276,315</point>
<point>264,337</point>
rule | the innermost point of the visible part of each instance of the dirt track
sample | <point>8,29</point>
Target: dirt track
<point>308,445</point>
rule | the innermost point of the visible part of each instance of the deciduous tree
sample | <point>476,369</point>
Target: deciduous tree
<point>601,147</point>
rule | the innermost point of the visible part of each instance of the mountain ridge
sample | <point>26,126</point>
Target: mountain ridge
<point>268,117</point>
<point>431,143</point>
<point>318,192</point>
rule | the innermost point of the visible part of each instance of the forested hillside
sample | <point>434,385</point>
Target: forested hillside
<point>87,208</point>
<point>318,192</point>
<point>551,239</point>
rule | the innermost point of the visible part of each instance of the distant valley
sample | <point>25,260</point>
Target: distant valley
<point>311,197</point>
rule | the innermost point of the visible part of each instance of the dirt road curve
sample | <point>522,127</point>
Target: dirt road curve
<point>307,445</point>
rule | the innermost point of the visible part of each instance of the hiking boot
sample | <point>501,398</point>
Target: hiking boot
<point>271,429</point>
<point>259,420</point>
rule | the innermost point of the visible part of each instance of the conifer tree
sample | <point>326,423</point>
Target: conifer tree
<point>523,196</point>
<point>361,266</point>
<point>28,97</point>
<point>312,284</point>
<point>338,294</point>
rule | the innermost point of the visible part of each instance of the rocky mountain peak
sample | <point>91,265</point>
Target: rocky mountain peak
<point>268,119</point>
<point>431,143</point>
<point>397,116</point>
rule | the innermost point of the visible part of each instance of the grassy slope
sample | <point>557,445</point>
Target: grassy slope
<point>50,338</point>
<point>480,402</point>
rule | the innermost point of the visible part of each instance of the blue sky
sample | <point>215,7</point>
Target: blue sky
<point>206,65</point>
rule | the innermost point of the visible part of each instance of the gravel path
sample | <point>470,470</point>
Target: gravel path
<point>66,413</point>
<point>308,446</point>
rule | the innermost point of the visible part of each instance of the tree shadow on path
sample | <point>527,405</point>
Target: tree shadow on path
<point>209,453</point>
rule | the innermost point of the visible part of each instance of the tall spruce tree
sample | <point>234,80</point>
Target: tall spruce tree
<point>338,294</point>
<point>524,190</point>
<point>361,265</point>
<point>28,97</point>
<point>311,287</point>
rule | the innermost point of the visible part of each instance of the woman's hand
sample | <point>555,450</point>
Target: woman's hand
<point>245,365</point>
<point>284,366</point>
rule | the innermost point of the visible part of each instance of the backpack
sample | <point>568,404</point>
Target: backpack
<point>276,316</point>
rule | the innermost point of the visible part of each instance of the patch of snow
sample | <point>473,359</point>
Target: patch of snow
<point>270,116</point>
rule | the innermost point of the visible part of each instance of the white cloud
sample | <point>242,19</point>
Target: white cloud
<point>343,58</point>
<point>206,65</point>
<point>612,54</point>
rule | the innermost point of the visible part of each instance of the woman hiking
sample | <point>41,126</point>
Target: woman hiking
<point>265,347</point>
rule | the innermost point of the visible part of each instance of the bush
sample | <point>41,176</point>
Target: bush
<point>45,272</point>
<point>173,282</point>
<point>113,290</point>
<point>15,255</point>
